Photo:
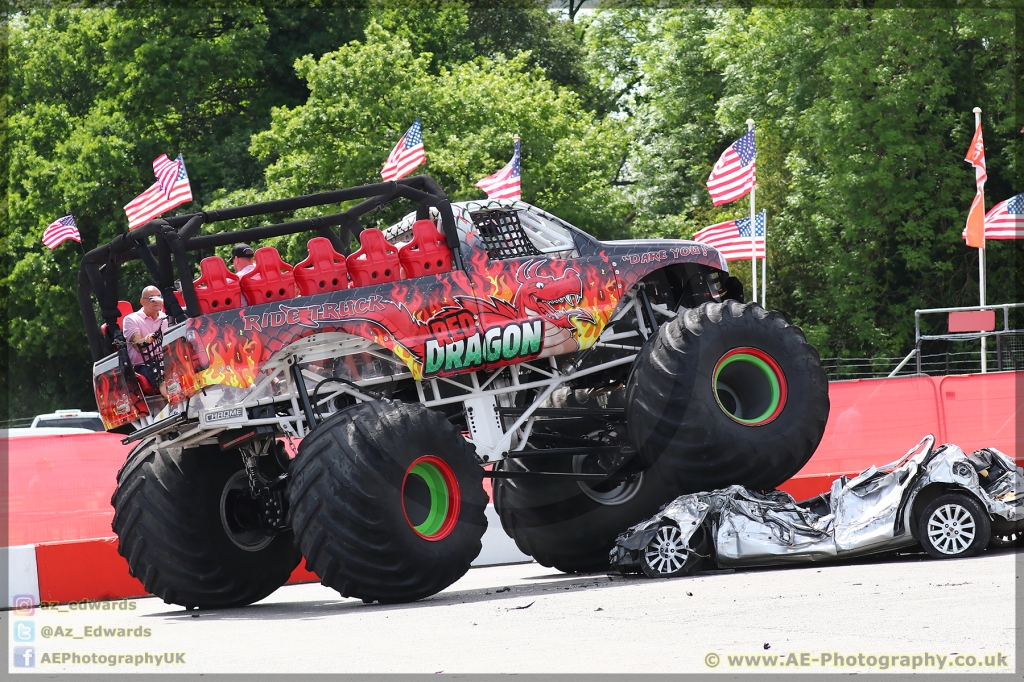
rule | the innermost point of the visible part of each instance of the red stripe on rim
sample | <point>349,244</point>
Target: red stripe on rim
<point>453,496</point>
<point>770,361</point>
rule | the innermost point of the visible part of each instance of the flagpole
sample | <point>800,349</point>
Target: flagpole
<point>81,247</point>
<point>753,231</point>
<point>764,265</point>
<point>981,259</point>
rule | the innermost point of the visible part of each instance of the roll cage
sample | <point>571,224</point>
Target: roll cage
<point>167,258</point>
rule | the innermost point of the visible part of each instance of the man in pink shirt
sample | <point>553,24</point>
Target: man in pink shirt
<point>140,330</point>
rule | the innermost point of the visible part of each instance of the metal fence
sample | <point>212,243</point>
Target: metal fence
<point>1006,355</point>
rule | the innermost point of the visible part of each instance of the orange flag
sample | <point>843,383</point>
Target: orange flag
<point>974,233</point>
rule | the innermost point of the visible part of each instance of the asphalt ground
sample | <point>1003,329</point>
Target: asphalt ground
<point>920,614</point>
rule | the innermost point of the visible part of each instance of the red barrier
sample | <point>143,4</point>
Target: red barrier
<point>60,486</point>
<point>90,570</point>
<point>874,421</point>
<point>84,571</point>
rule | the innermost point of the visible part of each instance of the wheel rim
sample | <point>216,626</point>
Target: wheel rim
<point>609,494</point>
<point>951,529</point>
<point>667,552</point>
<point>239,515</point>
<point>749,386</point>
<point>431,498</point>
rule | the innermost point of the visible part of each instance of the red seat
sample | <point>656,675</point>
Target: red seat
<point>427,253</point>
<point>123,308</point>
<point>147,388</point>
<point>271,279</point>
<point>217,288</point>
<point>375,262</point>
<point>323,270</point>
<point>181,300</point>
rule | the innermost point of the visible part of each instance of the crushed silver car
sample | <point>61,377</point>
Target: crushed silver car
<point>951,503</point>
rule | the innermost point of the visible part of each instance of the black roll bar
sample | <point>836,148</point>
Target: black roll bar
<point>174,237</point>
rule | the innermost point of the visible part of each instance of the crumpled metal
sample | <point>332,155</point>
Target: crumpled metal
<point>868,513</point>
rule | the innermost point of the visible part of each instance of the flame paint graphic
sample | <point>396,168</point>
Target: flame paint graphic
<point>400,316</point>
<point>118,404</point>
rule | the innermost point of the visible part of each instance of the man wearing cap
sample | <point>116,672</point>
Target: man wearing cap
<point>243,259</point>
<point>140,330</point>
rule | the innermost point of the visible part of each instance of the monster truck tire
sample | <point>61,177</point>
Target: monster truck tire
<point>387,502</point>
<point>561,526</point>
<point>168,518</point>
<point>727,393</point>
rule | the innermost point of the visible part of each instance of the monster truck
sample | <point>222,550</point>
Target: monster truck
<point>590,381</point>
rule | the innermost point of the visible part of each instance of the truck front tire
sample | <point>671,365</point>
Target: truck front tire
<point>727,393</point>
<point>387,502</point>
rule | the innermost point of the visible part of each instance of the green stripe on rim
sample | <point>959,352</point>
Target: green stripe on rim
<point>431,498</point>
<point>749,386</point>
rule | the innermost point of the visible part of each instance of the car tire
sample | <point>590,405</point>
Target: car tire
<point>387,502</point>
<point>667,556</point>
<point>567,524</point>
<point>727,393</point>
<point>169,520</point>
<point>954,525</point>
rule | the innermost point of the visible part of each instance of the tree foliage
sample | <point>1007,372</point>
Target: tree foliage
<point>365,95</point>
<point>863,118</point>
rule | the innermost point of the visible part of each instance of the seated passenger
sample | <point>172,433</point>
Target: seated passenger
<point>243,259</point>
<point>140,331</point>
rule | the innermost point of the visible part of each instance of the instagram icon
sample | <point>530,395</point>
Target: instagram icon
<point>24,605</point>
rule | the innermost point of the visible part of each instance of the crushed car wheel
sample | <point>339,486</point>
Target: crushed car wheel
<point>725,394</point>
<point>954,525</point>
<point>571,525</point>
<point>668,555</point>
<point>387,502</point>
<point>1007,540</point>
<point>180,539</point>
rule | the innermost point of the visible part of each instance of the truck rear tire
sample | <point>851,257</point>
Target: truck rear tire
<point>169,519</point>
<point>387,502</point>
<point>566,524</point>
<point>727,393</point>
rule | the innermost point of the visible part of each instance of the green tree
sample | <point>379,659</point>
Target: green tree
<point>863,118</point>
<point>364,96</point>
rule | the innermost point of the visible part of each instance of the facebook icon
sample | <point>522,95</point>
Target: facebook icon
<point>24,657</point>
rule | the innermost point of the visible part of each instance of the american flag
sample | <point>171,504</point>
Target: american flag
<point>166,172</point>
<point>732,238</point>
<point>61,230</point>
<point>1006,219</point>
<point>406,155</point>
<point>505,183</point>
<point>169,191</point>
<point>734,174</point>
